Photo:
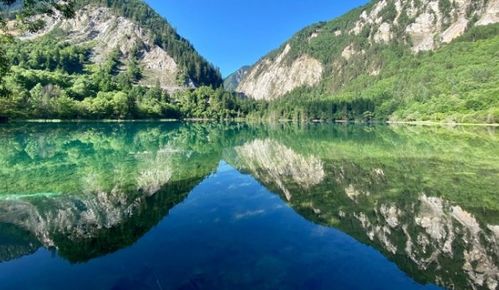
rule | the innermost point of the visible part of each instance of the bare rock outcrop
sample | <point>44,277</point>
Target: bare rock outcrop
<point>271,79</point>
<point>105,32</point>
<point>420,25</point>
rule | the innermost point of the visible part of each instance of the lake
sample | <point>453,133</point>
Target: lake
<point>238,206</point>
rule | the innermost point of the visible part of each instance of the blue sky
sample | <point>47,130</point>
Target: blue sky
<point>233,33</point>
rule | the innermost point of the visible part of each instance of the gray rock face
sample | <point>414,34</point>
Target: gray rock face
<point>436,232</point>
<point>421,24</point>
<point>274,162</point>
<point>105,32</point>
<point>271,79</point>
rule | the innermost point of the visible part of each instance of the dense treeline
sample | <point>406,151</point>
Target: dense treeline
<point>52,79</point>
<point>303,107</point>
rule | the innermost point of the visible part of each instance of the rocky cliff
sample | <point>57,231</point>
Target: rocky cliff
<point>273,78</point>
<point>323,51</point>
<point>109,27</point>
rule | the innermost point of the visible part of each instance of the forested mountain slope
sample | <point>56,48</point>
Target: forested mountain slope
<point>390,59</point>
<point>135,32</point>
<point>113,59</point>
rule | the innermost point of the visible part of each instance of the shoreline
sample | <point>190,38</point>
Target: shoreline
<point>41,121</point>
<point>344,122</point>
<point>447,124</point>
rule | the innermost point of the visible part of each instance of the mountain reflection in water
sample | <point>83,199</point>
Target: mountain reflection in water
<point>102,195</point>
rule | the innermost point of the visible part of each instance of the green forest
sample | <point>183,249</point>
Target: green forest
<point>47,78</point>
<point>457,83</point>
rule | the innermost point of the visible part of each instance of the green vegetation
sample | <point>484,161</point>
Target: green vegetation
<point>196,67</point>
<point>457,83</point>
<point>24,20</point>
<point>50,78</point>
<point>24,10</point>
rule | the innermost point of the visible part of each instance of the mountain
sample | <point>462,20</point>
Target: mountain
<point>106,59</point>
<point>132,30</point>
<point>392,59</point>
<point>232,81</point>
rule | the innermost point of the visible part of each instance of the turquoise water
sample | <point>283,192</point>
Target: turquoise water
<point>217,206</point>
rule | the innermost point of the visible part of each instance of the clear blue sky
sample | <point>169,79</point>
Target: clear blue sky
<point>233,33</point>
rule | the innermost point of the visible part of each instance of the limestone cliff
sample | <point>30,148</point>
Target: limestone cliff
<point>273,78</point>
<point>163,56</point>
<point>337,50</point>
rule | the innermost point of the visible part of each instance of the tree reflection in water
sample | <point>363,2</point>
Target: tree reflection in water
<point>424,197</point>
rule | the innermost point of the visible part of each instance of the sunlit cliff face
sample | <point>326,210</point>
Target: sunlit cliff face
<point>273,162</point>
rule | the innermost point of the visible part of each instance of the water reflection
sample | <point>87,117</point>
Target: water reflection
<point>271,161</point>
<point>425,198</point>
<point>91,191</point>
<point>374,201</point>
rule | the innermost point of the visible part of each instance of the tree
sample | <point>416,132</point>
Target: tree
<point>134,71</point>
<point>120,104</point>
<point>4,62</point>
<point>36,7</point>
<point>25,21</point>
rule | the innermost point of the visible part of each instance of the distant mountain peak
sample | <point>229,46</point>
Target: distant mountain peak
<point>232,81</point>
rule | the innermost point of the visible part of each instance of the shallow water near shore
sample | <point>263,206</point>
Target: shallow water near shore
<point>236,206</point>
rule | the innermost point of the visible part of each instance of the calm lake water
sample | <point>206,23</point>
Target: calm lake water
<point>211,206</point>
